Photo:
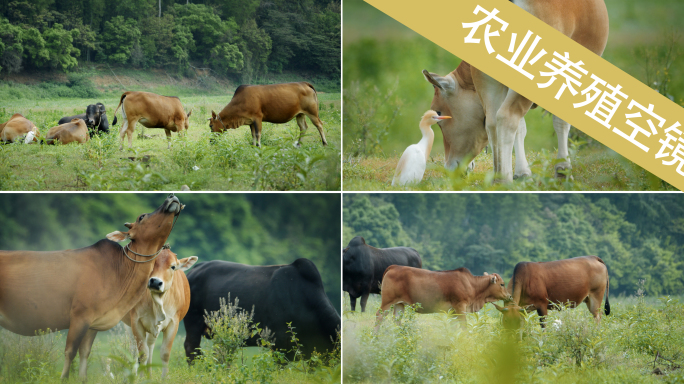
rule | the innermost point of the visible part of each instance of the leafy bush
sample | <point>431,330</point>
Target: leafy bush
<point>29,359</point>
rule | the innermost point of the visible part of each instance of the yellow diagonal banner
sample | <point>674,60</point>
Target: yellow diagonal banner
<point>539,62</point>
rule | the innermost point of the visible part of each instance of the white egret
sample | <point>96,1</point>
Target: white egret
<point>412,164</point>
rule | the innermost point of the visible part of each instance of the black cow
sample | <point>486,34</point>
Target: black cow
<point>364,267</point>
<point>95,118</point>
<point>278,293</point>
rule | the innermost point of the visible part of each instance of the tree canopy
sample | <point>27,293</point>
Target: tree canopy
<point>237,38</point>
<point>639,236</point>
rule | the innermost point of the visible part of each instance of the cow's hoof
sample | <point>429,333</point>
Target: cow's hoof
<point>562,170</point>
<point>523,175</point>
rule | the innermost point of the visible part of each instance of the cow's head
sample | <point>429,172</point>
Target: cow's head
<point>187,120</point>
<point>150,231</point>
<point>497,287</point>
<point>165,267</point>
<point>513,315</point>
<point>93,112</point>
<point>216,124</point>
<point>464,135</point>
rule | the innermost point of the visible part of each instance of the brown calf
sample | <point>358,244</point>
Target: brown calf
<point>273,103</point>
<point>74,131</point>
<point>163,308</point>
<point>539,285</point>
<point>152,111</point>
<point>439,290</point>
<point>17,126</point>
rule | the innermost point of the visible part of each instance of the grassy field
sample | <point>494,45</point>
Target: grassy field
<point>231,163</point>
<point>40,360</point>
<point>641,341</point>
<point>385,94</point>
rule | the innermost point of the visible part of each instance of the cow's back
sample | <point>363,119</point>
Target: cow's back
<point>558,281</point>
<point>277,103</point>
<point>584,21</point>
<point>15,127</point>
<point>384,257</point>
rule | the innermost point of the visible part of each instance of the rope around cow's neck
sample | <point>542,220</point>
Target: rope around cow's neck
<point>154,255</point>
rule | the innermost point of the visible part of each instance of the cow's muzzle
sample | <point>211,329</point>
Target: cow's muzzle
<point>173,205</point>
<point>155,284</point>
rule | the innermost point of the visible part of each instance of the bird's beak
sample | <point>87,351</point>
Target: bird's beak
<point>442,117</point>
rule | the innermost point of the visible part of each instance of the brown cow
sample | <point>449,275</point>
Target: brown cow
<point>75,131</point>
<point>273,103</point>
<point>539,285</point>
<point>83,290</point>
<point>152,111</point>
<point>438,290</point>
<point>17,126</point>
<point>163,308</point>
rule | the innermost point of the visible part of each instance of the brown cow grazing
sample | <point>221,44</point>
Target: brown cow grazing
<point>83,290</point>
<point>18,126</point>
<point>75,131</point>
<point>162,309</point>
<point>152,111</point>
<point>539,285</point>
<point>438,291</point>
<point>273,103</point>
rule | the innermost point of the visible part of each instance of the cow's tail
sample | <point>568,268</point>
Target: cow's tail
<point>314,89</point>
<point>606,306</point>
<point>117,108</point>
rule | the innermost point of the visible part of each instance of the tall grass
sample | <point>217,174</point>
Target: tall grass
<point>571,349</point>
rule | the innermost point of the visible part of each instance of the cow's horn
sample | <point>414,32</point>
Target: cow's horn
<point>128,225</point>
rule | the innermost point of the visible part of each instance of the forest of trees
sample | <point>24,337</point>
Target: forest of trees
<point>256,229</point>
<point>639,236</point>
<point>240,39</point>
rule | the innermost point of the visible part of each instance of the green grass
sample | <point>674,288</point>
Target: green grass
<point>231,163</point>
<point>40,359</point>
<point>434,348</point>
<point>594,169</point>
<point>383,61</point>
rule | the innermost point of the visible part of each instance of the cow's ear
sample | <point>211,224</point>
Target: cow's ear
<point>188,262</point>
<point>493,279</point>
<point>190,113</point>
<point>501,309</point>
<point>443,83</point>
<point>213,115</point>
<point>118,236</point>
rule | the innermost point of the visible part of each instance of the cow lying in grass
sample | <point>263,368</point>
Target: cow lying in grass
<point>75,131</point>
<point>17,127</point>
<point>95,118</point>
<point>274,103</point>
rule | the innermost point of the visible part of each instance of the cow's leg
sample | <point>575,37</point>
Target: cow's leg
<point>167,344</point>
<point>122,133</point>
<point>253,128</point>
<point>562,130</point>
<point>84,352</point>
<point>193,337</point>
<point>352,302</point>
<point>542,311</point>
<point>301,121</point>
<point>168,138</point>
<point>257,123</point>
<point>151,340</point>
<point>594,304</point>
<point>379,315</point>
<point>492,95</point>
<point>364,300</point>
<point>508,119</point>
<point>522,168</point>
<point>129,131</point>
<point>460,311</point>
<point>77,332</point>
<point>317,122</point>
<point>398,312</point>
<point>140,342</point>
